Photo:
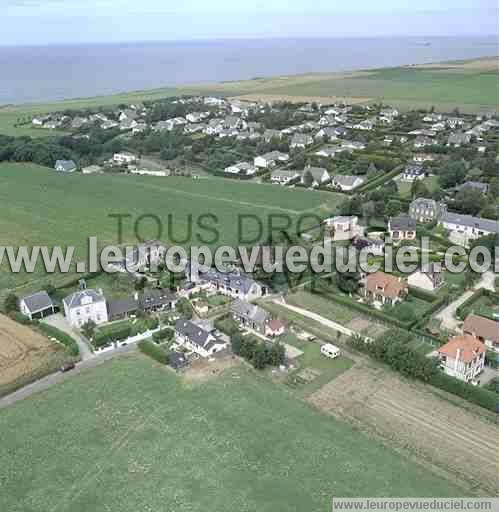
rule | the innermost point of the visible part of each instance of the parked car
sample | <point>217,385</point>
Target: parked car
<point>68,367</point>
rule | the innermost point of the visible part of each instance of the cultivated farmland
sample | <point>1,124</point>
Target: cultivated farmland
<point>24,354</point>
<point>130,436</point>
<point>41,207</point>
<point>409,415</point>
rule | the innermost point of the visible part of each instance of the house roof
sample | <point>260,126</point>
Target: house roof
<point>251,311</point>
<point>156,297</point>
<point>385,284</point>
<point>177,360</point>
<point>402,223</point>
<point>276,325</point>
<point>469,347</point>
<point>492,226</point>
<point>316,172</point>
<point>122,306</point>
<point>81,297</point>
<point>195,334</point>
<point>346,181</point>
<point>66,165</point>
<point>483,327</point>
<point>38,301</point>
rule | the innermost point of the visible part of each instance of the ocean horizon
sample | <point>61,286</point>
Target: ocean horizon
<point>57,72</point>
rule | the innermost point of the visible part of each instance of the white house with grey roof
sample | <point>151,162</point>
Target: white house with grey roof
<point>346,183</point>
<point>250,315</point>
<point>36,306</point>
<point>465,228</point>
<point>65,166</point>
<point>301,140</point>
<point>270,159</point>
<point>284,176</point>
<point>320,176</point>
<point>425,210</point>
<point>84,306</point>
<point>197,339</point>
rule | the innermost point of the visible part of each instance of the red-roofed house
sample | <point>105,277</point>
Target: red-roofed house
<point>462,357</point>
<point>275,328</point>
<point>385,288</point>
<point>485,329</point>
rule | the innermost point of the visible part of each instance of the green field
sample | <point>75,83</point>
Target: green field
<point>129,436</point>
<point>41,207</point>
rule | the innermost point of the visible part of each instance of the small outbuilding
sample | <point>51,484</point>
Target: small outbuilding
<point>36,306</point>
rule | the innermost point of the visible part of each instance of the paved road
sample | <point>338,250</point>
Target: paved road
<point>56,378</point>
<point>448,314</point>
<point>59,321</point>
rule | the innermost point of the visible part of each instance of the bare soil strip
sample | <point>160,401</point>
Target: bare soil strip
<point>412,418</point>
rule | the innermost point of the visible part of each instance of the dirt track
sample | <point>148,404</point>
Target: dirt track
<point>409,416</point>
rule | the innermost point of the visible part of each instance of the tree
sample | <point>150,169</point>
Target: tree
<point>236,342</point>
<point>277,354</point>
<point>11,303</point>
<point>348,282</point>
<point>88,328</point>
<point>308,179</point>
<point>184,307</point>
<point>393,207</point>
<point>140,284</point>
<point>260,356</point>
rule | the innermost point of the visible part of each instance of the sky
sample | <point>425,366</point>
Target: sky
<point>40,22</point>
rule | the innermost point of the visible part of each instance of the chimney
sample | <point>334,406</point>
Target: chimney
<point>458,356</point>
<point>82,284</point>
<point>136,296</point>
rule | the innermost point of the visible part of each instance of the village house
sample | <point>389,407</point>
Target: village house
<point>375,247</point>
<point>84,306</point>
<point>108,124</point>
<point>328,152</point>
<point>124,157</point>
<point>328,133</point>
<point>462,357</point>
<point>402,227</point>
<point>92,169</point>
<point>343,228</point>
<point>458,139</point>
<point>145,255</point>
<point>366,125</point>
<point>249,315</point>
<point>36,306</point>
<point>385,289</point>
<point>197,117</point>
<point>275,328</point>
<point>65,166</point>
<point>301,140</point>
<point>346,183</point>
<point>485,329</point>
<point>483,188</point>
<point>232,284</point>
<point>353,145</point>
<point>422,141</point>
<point>423,157</point>
<point>284,176</point>
<point>465,228</point>
<point>128,124</point>
<point>269,135</point>
<point>320,176</point>
<point>152,300</point>
<point>151,172</point>
<point>413,172</point>
<point>271,159</point>
<point>242,169</point>
<point>197,339</point>
<point>429,278</point>
<point>426,210</point>
<point>327,120</point>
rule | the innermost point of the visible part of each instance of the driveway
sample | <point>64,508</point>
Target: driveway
<point>59,322</point>
<point>448,314</point>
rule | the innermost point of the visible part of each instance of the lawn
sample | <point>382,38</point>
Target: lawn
<point>323,307</point>
<point>327,369</point>
<point>41,207</point>
<point>129,436</point>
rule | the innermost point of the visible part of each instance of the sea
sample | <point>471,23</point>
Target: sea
<point>46,73</point>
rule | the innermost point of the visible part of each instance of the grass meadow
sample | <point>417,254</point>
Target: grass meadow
<point>129,435</point>
<point>42,207</point>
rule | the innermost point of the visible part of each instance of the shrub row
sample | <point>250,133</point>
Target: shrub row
<point>152,350</point>
<point>61,337</point>
<point>163,335</point>
<point>258,353</point>
<point>462,309</point>
<point>375,182</point>
<point>364,308</point>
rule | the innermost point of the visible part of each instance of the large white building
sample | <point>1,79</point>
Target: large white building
<point>465,228</point>
<point>84,306</point>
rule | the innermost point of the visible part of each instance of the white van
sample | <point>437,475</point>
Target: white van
<point>330,351</point>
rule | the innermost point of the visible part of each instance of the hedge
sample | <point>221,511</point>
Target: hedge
<point>365,309</point>
<point>152,350</point>
<point>61,337</point>
<point>109,335</point>
<point>163,335</point>
<point>477,395</point>
<point>461,310</point>
<point>379,180</point>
